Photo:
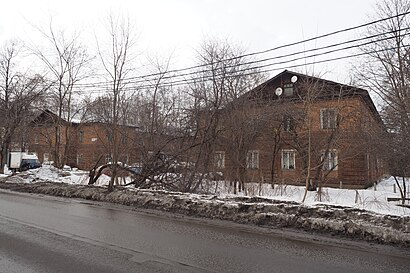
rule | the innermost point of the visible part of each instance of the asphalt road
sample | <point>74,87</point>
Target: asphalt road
<point>48,234</point>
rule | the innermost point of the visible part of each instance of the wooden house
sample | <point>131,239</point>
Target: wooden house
<point>296,128</point>
<point>88,144</point>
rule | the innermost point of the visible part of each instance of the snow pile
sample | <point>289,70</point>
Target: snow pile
<point>335,220</point>
<point>372,199</point>
<point>49,173</point>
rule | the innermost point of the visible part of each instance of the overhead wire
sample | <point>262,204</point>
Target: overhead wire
<point>190,80</point>
<point>258,52</point>
<point>102,87</point>
<point>195,80</point>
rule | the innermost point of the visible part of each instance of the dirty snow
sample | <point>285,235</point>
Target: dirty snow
<point>371,199</point>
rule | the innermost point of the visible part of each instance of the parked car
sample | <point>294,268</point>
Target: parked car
<point>22,161</point>
<point>135,169</point>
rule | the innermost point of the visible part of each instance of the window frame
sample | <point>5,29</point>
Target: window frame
<point>330,163</point>
<point>286,88</point>
<point>81,136</point>
<point>108,158</point>
<point>288,165</point>
<point>252,159</point>
<point>219,159</point>
<point>328,122</point>
<point>288,123</point>
<point>79,158</point>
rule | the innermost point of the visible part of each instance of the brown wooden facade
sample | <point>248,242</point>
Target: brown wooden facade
<point>89,142</point>
<point>351,159</point>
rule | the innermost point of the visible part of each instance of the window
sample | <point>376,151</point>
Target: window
<point>36,141</point>
<point>79,159</point>
<point>288,159</point>
<point>252,160</point>
<point>46,157</point>
<point>219,160</point>
<point>80,136</point>
<point>328,118</point>
<point>124,139</point>
<point>288,90</point>
<point>110,137</point>
<point>108,158</point>
<point>330,161</point>
<point>150,154</point>
<point>94,139</point>
<point>288,123</point>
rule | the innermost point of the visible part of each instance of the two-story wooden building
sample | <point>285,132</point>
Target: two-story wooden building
<point>86,144</point>
<point>301,127</point>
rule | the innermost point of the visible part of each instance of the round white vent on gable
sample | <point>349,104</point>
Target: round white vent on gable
<point>278,91</point>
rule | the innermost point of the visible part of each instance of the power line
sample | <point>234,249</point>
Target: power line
<point>191,81</point>
<point>255,53</point>
<point>272,64</point>
<point>288,55</point>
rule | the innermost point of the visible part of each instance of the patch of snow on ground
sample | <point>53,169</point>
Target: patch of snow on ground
<point>371,199</point>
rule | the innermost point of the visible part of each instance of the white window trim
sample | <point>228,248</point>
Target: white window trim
<point>108,158</point>
<point>81,136</point>
<point>336,160</point>
<point>288,123</point>
<point>321,118</point>
<point>79,158</point>
<point>46,157</point>
<point>294,159</point>
<point>216,159</point>
<point>250,164</point>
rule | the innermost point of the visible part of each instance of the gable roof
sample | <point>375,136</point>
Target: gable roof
<point>47,117</point>
<point>329,90</point>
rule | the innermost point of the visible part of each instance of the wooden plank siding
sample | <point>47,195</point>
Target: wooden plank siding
<point>356,168</point>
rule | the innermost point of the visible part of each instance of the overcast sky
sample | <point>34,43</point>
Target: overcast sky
<point>177,27</point>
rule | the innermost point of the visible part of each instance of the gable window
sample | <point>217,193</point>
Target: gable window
<point>328,118</point>
<point>288,90</point>
<point>288,159</point>
<point>36,141</point>
<point>330,160</point>
<point>80,136</point>
<point>219,160</point>
<point>252,160</point>
<point>288,123</point>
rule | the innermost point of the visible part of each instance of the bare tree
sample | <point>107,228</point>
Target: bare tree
<point>385,71</point>
<point>66,62</point>
<point>215,112</point>
<point>116,58</point>
<point>17,94</point>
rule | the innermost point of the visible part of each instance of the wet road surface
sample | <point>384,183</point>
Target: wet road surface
<point>49,234</point>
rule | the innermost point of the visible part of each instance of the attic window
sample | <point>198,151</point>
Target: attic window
<point>288,90</point>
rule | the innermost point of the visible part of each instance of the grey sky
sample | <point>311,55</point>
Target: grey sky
<point>177,27</point>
